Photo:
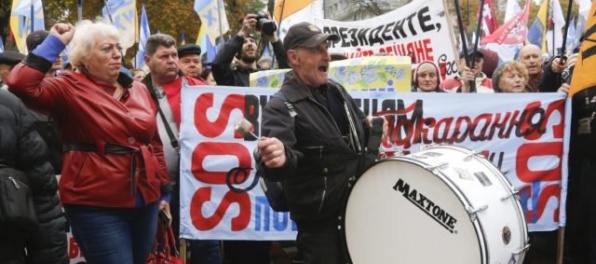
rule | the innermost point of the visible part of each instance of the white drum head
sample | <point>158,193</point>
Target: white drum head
<point>399,212</point>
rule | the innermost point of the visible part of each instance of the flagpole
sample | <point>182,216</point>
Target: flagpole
<point>462,35</point>
<point>32,18</point>
<point>80,10</point>
<point>566,28</point>
<point>281,15</point>
<point>219,19</point>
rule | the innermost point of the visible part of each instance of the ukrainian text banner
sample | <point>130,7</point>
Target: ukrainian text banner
<point>521,134</point>
<point>419,30</point>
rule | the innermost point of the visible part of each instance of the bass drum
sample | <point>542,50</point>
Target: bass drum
<point>444,204</point>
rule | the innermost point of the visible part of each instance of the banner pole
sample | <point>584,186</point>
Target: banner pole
<point>450,28</point>
<point>566,29</point>
<point>560,244</point>
<point>464,47</point>
<point>478,29</point>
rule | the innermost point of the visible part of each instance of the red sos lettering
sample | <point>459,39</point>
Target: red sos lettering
<point>532,216</point>
<point>544,149</point>
<point>537,150</point>
<point>203,223</point>
<point>214,130</point>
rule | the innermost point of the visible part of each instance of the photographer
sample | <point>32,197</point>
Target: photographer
<point>243,46</point>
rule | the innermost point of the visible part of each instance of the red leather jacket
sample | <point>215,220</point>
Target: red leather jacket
<point>86,112</point>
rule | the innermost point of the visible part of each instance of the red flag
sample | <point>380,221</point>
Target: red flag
<point>489,19</point>
<point>513,31</point>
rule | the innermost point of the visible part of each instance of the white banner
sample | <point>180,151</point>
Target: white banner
<point>522,134</point>
<point>419,30</point>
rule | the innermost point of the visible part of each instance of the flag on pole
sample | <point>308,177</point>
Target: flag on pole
<point>583,74</point>
<point>123,15</point>
<point>556,20</point>
<point>214,21</point>
<point>537,32</point>
<point>287,8</point>
<point>144,33</point>
<point>182,39</point>
<point>513,31</point>
<point>571,36</point>
<point>21,22</point>
<point>208,48</point>
<point>489,19</point>
<point>511,10</point>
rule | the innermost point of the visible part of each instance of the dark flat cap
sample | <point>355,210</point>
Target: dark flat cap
<point>189,49</point>
<point>306,35</point>
<point>11,57</point>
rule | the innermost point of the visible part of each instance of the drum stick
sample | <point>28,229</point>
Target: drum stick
<point>245,127</point>
<point>560,245</point>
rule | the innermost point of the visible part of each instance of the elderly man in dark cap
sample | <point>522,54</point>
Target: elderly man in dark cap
<point>324,115</point>
<point>189,60</point>
<point>8,60</point>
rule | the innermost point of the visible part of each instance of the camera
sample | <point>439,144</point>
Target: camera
<point>265,25</point>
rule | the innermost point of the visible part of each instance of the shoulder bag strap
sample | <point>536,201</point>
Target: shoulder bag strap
<point>167,118</point>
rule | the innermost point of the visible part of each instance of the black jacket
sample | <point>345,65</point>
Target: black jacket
<point>23,149</point>
<point>319,161</point>
<point>550,81</point>
<point>226,74</point>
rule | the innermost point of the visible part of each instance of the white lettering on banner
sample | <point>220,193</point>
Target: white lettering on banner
<point>522,134</point>
<point>419,30</point>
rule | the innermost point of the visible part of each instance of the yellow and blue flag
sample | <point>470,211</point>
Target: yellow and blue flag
<point>537,32</point>
<point>182,39</point>
<point>208,48</point>
<point>22,22</point>
<point>123,15</point>
<point>214,21</point>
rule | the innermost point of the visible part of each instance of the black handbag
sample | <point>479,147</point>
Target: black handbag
<point>17,213</point>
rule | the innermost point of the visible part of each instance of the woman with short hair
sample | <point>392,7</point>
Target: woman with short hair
<point>114,178</point>
<point>511,77</point>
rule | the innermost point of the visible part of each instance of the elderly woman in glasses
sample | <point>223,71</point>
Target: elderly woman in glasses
<point>114,180</point>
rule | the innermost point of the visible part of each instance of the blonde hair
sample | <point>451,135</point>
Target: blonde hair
<point>512,66</point>
<point>86,34</point>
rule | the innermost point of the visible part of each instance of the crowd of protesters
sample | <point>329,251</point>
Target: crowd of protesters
<point>112,135</point>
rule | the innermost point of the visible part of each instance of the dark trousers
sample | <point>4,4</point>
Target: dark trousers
<point>114,235</point>
<point>580,230</point>
<point>201,251</point>
<point>247,252</point>
<point>11,249</point>
<point>320,247</point>
<point>204,252</point>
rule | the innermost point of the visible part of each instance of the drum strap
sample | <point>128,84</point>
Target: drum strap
<point>375,136</point>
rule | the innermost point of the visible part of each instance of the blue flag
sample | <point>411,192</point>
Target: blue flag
<point>144,33</point>
<point>209,48</point>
